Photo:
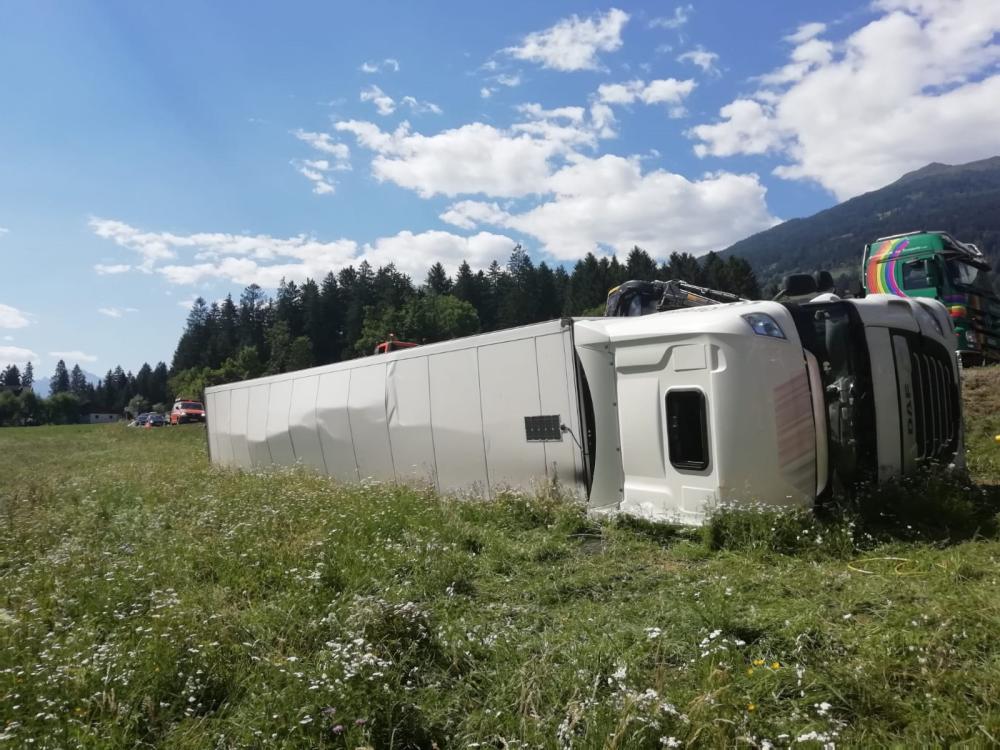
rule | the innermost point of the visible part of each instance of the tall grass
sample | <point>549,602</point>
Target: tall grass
<point>149,600</point>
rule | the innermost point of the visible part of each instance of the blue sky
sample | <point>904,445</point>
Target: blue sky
<point>152,153</point>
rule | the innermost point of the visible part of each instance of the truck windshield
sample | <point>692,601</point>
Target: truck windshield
<point>835,335</point>
<point>191,405</point>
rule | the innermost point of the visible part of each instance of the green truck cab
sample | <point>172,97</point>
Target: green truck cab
<point>936,265</point>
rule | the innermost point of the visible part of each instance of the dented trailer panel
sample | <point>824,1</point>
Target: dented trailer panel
<point>451,415</point>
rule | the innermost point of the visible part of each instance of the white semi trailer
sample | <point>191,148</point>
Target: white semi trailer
<point>662,416</point>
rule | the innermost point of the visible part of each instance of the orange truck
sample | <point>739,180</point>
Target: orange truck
<point>187,411</point>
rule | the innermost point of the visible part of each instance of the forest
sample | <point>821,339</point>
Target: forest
<point>71,396</point>
<point>348,313</point>
<point>345,315</point>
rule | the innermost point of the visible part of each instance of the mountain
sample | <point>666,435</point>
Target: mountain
<point>41,385</point>
<point>963,200</point>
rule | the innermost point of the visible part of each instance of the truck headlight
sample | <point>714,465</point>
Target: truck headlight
<point>970,338</point>
<point>764,325</point>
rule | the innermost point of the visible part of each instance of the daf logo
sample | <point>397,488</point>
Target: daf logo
<point>908,407</point>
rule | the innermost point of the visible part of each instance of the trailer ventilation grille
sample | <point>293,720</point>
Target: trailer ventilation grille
<point>936,405</point>
<point>542,428</point>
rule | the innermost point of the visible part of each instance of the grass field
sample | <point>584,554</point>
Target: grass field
<point>148,600</point>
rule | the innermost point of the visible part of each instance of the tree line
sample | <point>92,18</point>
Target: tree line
<point>346,314</point>
<point>72,396</point>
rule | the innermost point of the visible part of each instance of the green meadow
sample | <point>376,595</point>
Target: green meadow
<point>148,599</point>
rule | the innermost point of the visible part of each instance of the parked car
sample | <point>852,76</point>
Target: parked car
<point>187,411</point>
<point>154,420</point>
<point>140,420</point>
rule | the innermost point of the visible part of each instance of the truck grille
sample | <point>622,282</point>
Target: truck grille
<point>936,406</point>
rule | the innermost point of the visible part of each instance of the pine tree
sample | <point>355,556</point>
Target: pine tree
<point>288,307</point>
<point>227,332</point>
<point>715,273</point>
<point>437,280</point>
<point>325,324</point>
<point>28,376</point>
<point>685,266</point>
<point>279,342</point>
<point>193,342</point>
<point>159,391</point>
<point>251,317</point>
<point>640,266</point>
<point>300,355</point>
<point>742,279</point>
<point>11,377</point>
<point>144,381</point>
<point>60,380</point>
<point>78,382</point>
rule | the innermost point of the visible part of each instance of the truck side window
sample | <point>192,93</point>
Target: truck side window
<point>687,430</point>
<point>916,275</point>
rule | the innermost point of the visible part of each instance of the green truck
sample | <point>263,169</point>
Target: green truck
<point>936,265</point>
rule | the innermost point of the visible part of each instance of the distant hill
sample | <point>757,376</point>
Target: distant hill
<point>41,385</point>
<point>961,199</point>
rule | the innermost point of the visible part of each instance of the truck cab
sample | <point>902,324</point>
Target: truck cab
<point>776,403</point>
<point>935,265</point>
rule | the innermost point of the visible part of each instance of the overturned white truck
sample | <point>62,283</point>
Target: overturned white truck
<point>662,416</point>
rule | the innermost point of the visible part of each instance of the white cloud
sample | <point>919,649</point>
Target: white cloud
<point>11,317</point>
<point>384,103</point>
<point>315,170</point>
<point>510,81</point>
<point>805,32</point>
<point>682,13</point>
<point>607,203</point>
<point>16,355</point>
<point>151,247</point>
<point>116,312</point>
<point>414,253</point>
<point>481,158</point>
<point>325,144</point>
<point>485,92</point>
<point>106,270</point>
<point>469,214</point>
<point>573,43</point>
<point>420,107</point>
<point>3,231</point>
<point>702,58</point>
<point>337,158</point>
<point>474,158</point>
<point>663,91</point>
<point>74,356</point>
<point>388,64</point>
<point>917,84</point>
<point>265,260</point>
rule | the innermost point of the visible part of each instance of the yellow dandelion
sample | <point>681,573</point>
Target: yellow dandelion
<point>750,672</point>
<point>751,706</point>
<point>776,665</point>
<point>758,662</point>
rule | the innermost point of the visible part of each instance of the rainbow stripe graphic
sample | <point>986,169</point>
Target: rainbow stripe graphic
<point>881,274</point>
